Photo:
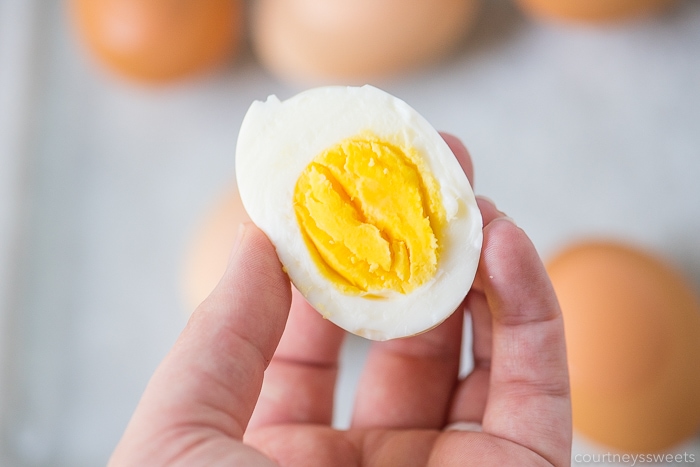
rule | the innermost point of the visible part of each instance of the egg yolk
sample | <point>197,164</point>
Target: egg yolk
<point>371,216</point>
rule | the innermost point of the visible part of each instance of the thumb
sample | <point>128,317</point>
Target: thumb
<point>212,377</point>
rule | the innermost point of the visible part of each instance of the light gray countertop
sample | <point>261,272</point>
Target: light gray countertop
<point>574,132</point>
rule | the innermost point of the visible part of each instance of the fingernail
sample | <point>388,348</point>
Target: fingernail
<point>501,214</point>
<point>464,426</point>
<point>486,199</point>
<point>505,218</point>
<point>237,241</point>
<point>491,202</point>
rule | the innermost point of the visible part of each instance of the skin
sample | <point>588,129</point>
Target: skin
<point>206,404</point>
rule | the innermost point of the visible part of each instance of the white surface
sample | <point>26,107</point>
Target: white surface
<point>574,132</point>
<point>15,48</point>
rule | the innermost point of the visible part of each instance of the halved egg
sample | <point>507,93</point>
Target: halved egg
<point>371,214</point>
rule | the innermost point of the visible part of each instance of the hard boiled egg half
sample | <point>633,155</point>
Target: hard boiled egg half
<point>371,214</point>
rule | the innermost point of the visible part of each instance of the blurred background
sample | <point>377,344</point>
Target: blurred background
<point>581,124</point>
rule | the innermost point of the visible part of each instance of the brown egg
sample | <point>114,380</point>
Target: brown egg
<point>593,10</point>
<point>633,333</point>
<point>159,40</point>
<point>206,259</point>
<point>355,41</point>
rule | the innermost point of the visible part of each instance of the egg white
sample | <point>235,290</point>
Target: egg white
<point>278,139</point>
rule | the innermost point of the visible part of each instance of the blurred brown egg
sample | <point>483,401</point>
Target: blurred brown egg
<point>159,40</point>
<point>633,337</point>
<point>593,10</point>
<point>355,41</point>
<point>206,259</point>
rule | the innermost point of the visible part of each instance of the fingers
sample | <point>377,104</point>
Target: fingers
<point>528,401</point>
<point>407,383</point>
<point>300,381</point>
<point>212,376</point>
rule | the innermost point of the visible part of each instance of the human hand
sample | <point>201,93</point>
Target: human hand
<point>207,405</point>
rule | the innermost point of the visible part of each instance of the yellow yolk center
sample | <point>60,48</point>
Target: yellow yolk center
<point>371,216</point>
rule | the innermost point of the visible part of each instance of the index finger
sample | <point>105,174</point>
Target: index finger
<point>529,401</point>
<point>209,382</point>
